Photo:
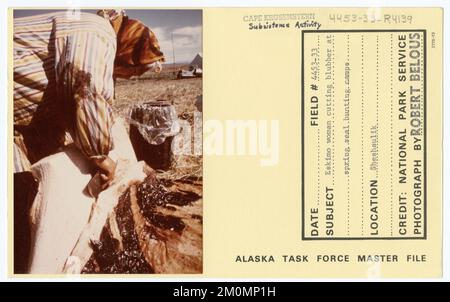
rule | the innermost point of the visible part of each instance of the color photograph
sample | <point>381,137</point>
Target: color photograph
<point>107,144</point>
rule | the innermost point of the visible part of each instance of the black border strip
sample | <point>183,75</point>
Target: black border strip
<point>424,32</point>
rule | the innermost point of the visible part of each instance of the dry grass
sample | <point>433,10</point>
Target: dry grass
<point>183,94</point>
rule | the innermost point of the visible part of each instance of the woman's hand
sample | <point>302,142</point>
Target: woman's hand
<point>107,170</point>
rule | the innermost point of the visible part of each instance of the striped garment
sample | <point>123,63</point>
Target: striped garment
<point>63,83</point>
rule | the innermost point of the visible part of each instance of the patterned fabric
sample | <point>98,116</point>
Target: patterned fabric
<point>63,80</point>
<point>111,14</point>
<point>137,47</point>
<point>114,16</point>
<point>21,161</point>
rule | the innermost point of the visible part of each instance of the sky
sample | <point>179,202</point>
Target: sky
<point>184,25</point>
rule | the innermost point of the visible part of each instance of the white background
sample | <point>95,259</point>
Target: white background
<point>208,3</point>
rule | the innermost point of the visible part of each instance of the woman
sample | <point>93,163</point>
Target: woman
<point>64,71</point>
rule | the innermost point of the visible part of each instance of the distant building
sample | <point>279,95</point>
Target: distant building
<point>198,60</point>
